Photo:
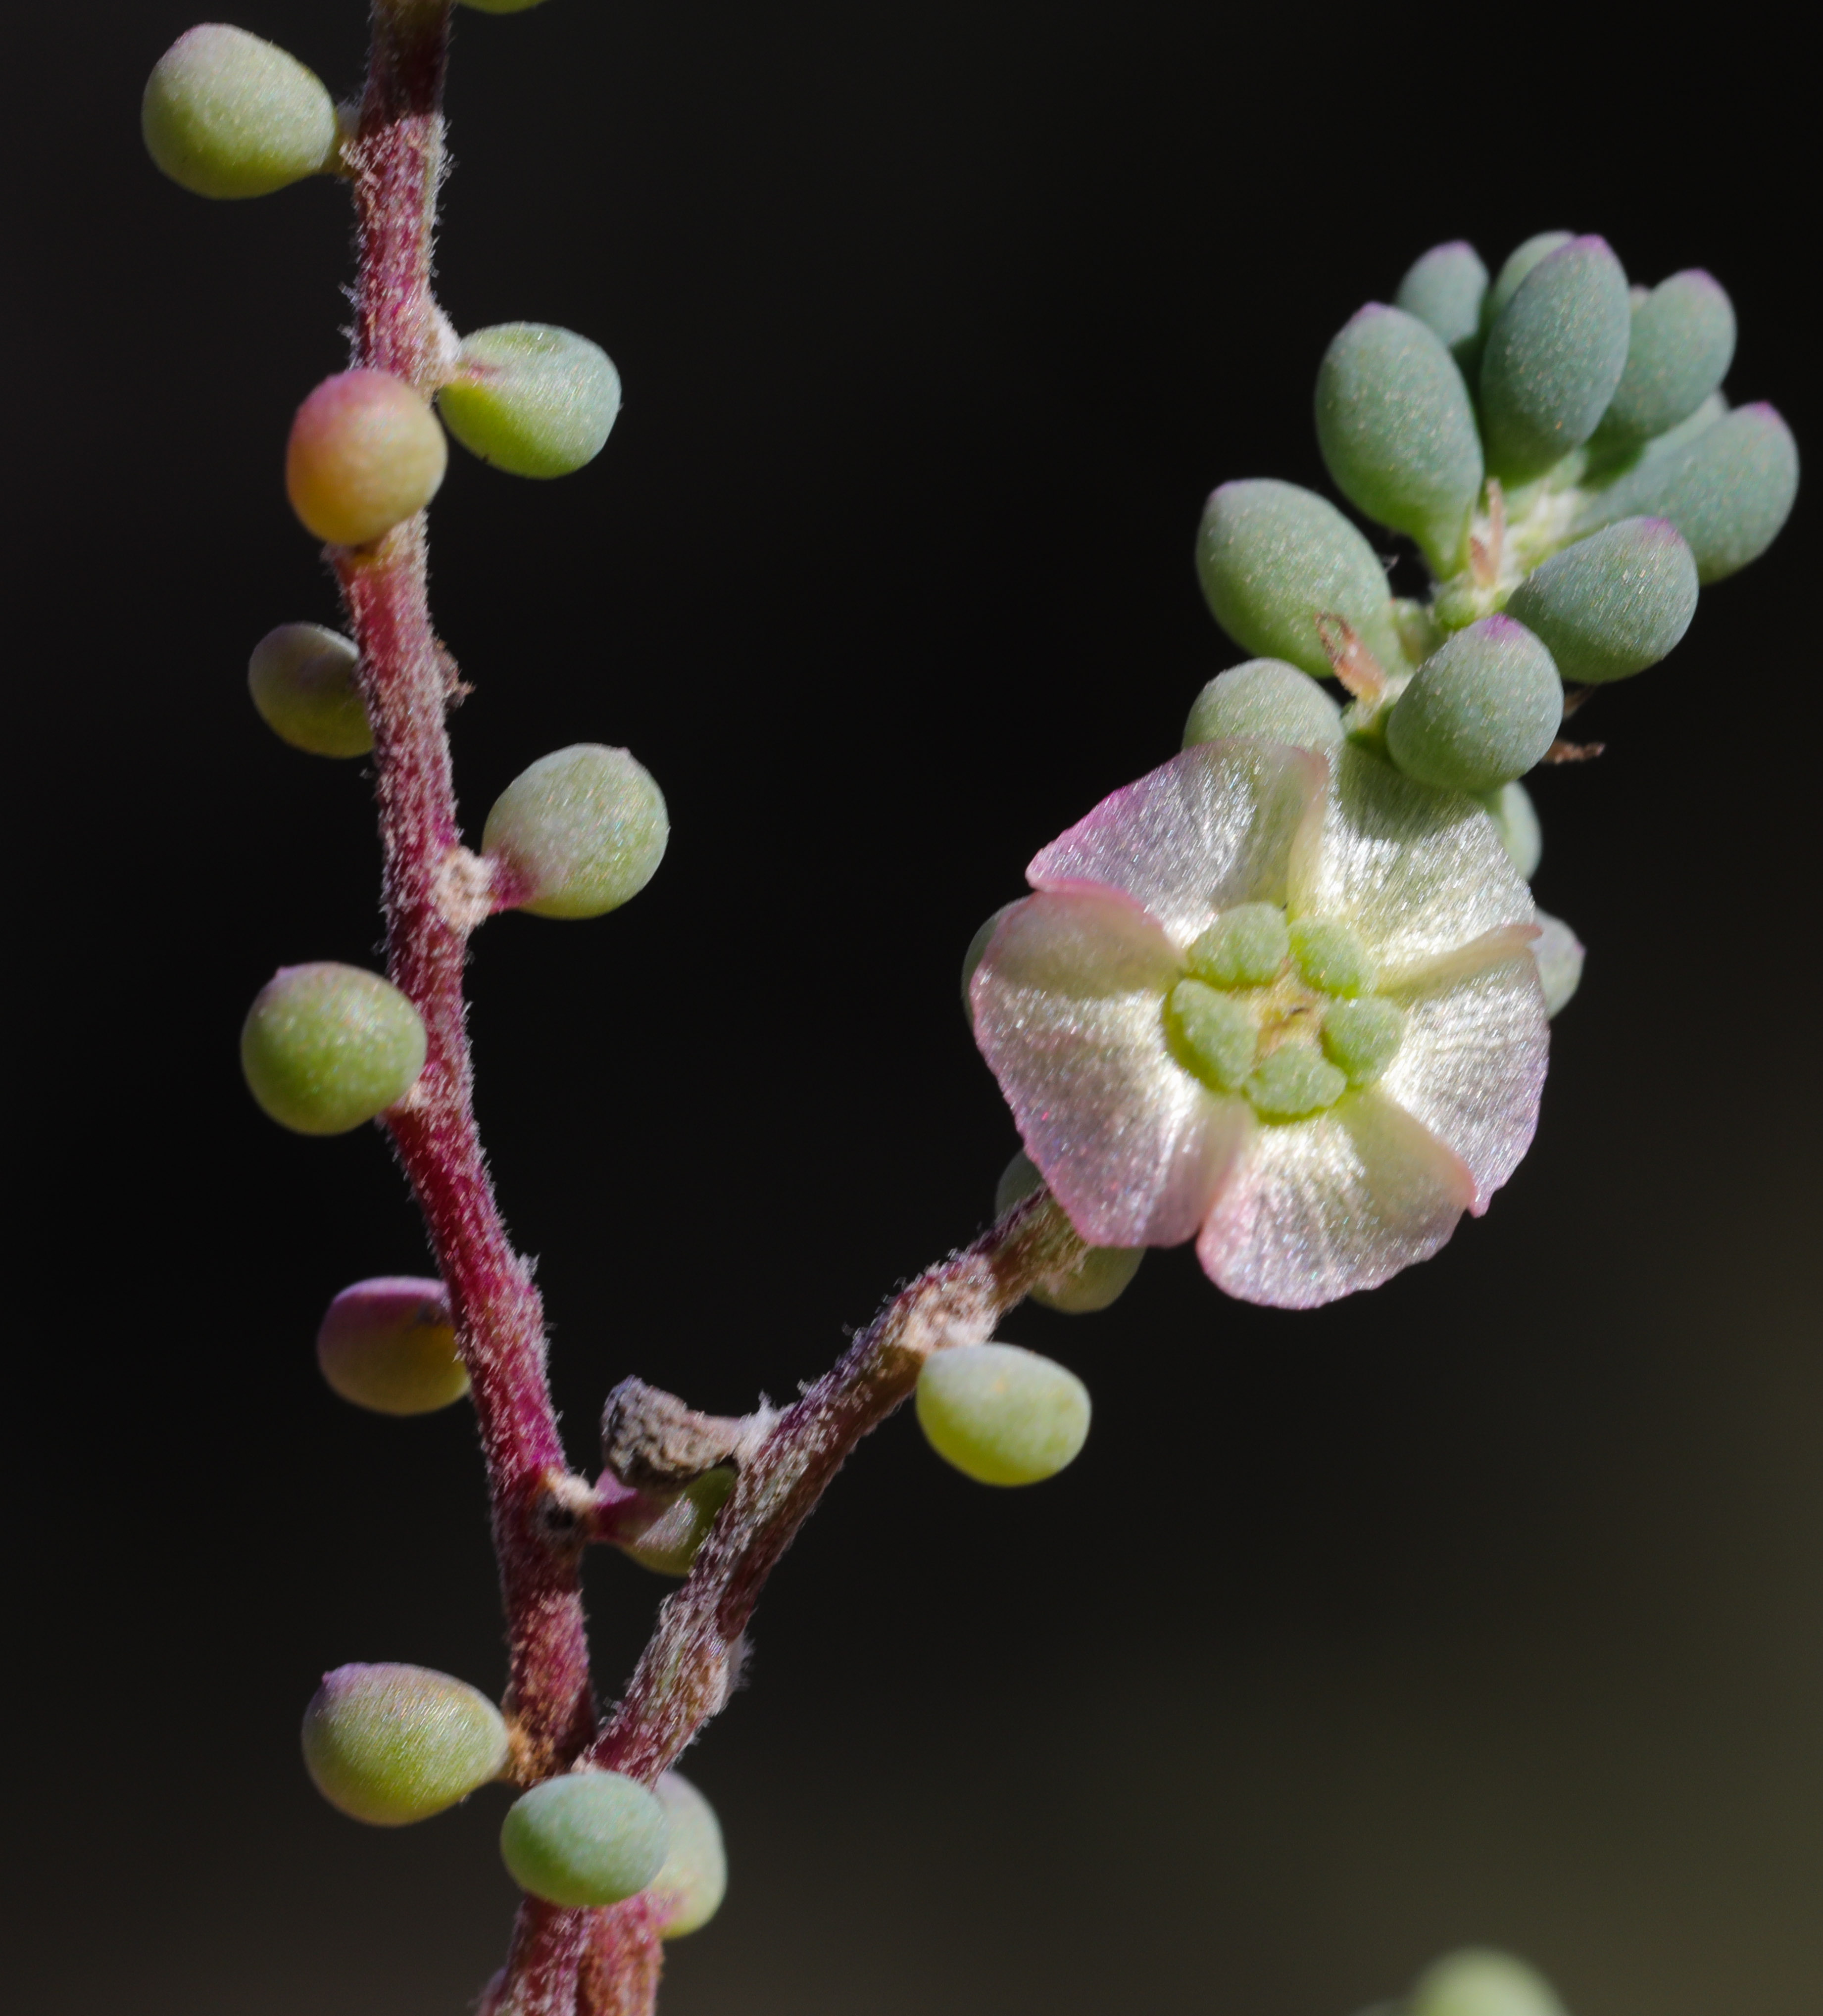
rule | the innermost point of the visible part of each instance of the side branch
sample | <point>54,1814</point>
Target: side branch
<point>684,1674</point>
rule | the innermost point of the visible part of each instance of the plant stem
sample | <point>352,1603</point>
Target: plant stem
<point>684,1674</point>
<point>563,1962</point>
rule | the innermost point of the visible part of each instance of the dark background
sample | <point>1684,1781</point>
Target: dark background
<point>1484,1606</point>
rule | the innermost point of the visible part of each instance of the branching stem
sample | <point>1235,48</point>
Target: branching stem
<point>563,1962</point>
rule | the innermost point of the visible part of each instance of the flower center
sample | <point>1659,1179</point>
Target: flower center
<point>1281,1012</point>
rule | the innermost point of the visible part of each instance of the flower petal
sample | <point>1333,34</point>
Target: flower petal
<point>1472,1067</point>
<point>1069,1012</point>
<point>1211,828</point>
<point>1417,872</point>
<point>1314,1210</point>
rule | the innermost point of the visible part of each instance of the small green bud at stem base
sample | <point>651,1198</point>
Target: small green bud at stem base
<point>1001,1415</point>
<point>668,1542</point>
<point>578,833</point>
<point>326,1047</point>
<point>585,1839</point>
<point>689,1889</point>
<point>302,678</point>
<point>389,1345</point>
<point>1477,1983</point>
<point>532,400</point>
<point>226,114</point>
<point>391,1744</point>
<point>1106,1272</point>
<point>366,453</point>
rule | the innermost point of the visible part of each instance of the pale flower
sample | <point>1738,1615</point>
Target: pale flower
<point>1280,1002</point>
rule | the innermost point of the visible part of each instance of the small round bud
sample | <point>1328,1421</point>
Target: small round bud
<point>389,1345</point>
<point>302,679</point>
<point>1445,288</point>
<point>667,1543</point>
<point>226,114</point>
<point>326,1046</point>
<point>579,832</point>
<point>1515,819</point>
<point>1264,696</point>
<point>1002,1415</point>
<point>1683,342</point>
<point>1728,487</point>
<point>1106,1271</point>
<point>365,452</point>
<point>1612,603</point>
<point>585,1839</point>
<point>976,951</point>
<point>532,400</point>
<point>1476,1982</point>
<point>1274,558</point>
<point>1554,355</point>
<point>689,1889</point>
<point>1480,711</point>
<point>391,1744</point>
<point>1559,953</point>
<point>1398,432</point>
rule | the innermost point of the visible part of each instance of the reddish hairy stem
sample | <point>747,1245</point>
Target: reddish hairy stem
<point>408,680</point>
<point>624,1960</point>
<point>396,159</point>
<point>684,1674</point>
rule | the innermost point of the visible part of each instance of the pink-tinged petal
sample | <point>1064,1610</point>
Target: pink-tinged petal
<point>1314,1210</point>
<point>1211,828</point>
<point>1472,1067</point>
<point>1069,1012</point>
<point>1417,872</point>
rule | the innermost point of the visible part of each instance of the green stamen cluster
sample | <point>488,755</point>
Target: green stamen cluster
<point>1282,1013</point>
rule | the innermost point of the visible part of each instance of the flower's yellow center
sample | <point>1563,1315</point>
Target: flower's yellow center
<point>1280,1012</point>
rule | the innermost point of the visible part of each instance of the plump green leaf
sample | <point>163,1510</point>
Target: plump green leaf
<point>1681,343</point>
<point>1398,432</point>
<point>326,1046</point>
<point>1555,353</point>
<point>689,1889</point>
<point>1266,697</point>
<point>585,1839</point>
<point>1274,558</point>
<point>1106,1272</point>
<point>578,833</point>
<point>302,678</point>
<point>1002,1415</point>
<point>532,399</point>
<point>1478,1982</point>
<point>1481,710</point>
<point>390,1744</point>
<point>1728,487</point>
<point>226,114</point>
<point>1445,288</point>
<point>1612,603</point>
<point>389,1345</point>
<point>1517,265</point>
